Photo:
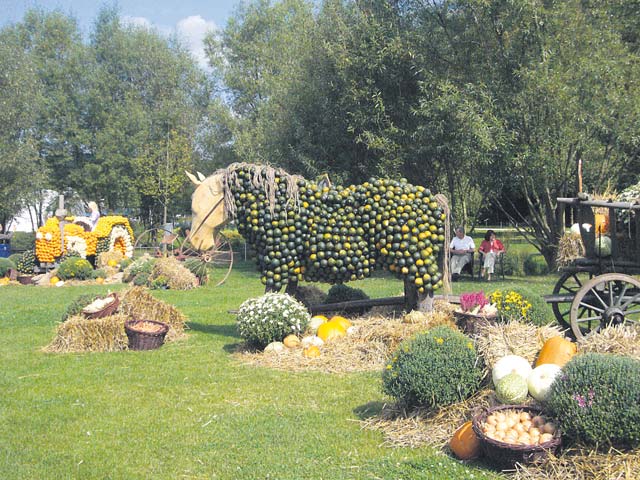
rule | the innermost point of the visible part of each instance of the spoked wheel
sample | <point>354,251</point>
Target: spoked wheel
<point>610,299</point>
<point>569,283</point>
<point>213,265</point>
<point>157,242</point>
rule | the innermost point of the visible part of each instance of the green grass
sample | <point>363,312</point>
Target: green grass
<point>190,410</point>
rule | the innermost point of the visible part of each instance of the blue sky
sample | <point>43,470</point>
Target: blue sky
<point>191,19</point>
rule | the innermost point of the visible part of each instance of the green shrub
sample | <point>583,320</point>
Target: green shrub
<point>143,264</point>
<point>343,293</point>
<point>78,304</point>
<point>141,279</point>
<point>125,262</point>
<point>535,264</point>
<point>597,400</point>
<point>270,318</point>
<point>5,266</point>
<point>15,257</point>
<point>23,241</point>
<point>27,262</point>
<point>433,369</point>
<point>75,268</point>
<point>510,265</point>
<point>158,283</point>
<point>99,273</point>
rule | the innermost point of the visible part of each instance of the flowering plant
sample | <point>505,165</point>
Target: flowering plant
<point>511,305</point>
<point>270,318</point>
<point>476,303</point>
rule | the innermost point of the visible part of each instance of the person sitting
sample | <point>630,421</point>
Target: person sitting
<point>491,248</point>
<point>462,249</point>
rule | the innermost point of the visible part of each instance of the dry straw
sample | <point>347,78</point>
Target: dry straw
<point>618,339</point>
<point>495,340</point>
<point>570,247</point>
<point>138,303</point>
<point>178,277</point>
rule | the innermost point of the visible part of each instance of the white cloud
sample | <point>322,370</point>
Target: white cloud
<point>136,21</point>
<point>192,30</point>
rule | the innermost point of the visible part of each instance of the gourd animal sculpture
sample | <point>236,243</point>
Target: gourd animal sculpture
<point>304,231</point>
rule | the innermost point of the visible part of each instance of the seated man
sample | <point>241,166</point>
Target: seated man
<point>462,249</point>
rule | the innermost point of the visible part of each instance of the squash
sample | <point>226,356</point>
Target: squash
<point>602,223</point>
<point>512,389</point>
<point>465,443</point>
<point>291,341</point>
<point>99,280</point>
<point>311,352</point>
<point>541,379</point>
<point>510,364</point>
<point>330,331</point>
<point>316,321</point>
<point>342,321</point>
<point>54,280</point>
<point>557,350</point>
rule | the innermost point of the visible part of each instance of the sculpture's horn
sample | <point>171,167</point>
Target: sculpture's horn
<point>193,178</point>
<point>201,177</point>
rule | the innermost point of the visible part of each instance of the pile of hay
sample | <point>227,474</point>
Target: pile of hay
<point>78,334</point>
<point>495,340</point>
<point>583,463</point>
<point>618,339</point>
<point>174,273</point>
<point>367,349</point>
<point>421,427</point>
<point>570,247</point>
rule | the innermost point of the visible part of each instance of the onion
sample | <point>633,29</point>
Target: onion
<point>546,437</point>
<point>524,416</point>
<point>526,424</point>
<point>501,427</point>
<point>491,420</point>
<point>549,427</point>
<point>534,432</point>
<point>538,421</point>
<point>500,417</point>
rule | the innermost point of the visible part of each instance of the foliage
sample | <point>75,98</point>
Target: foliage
<point>21,241</point>
<point>15,257</point>
<point>5,266</point>
<point>434,369</point>
<point>143,264</point>
<point>27,262</point>
<point>76,306</point>
<point>99,273</point>
<point>595,400</point>
<point>270,318</point>
<point>141,279</point>
<point>535,264</point>
<point>515,305</point>
<point>75,268</point>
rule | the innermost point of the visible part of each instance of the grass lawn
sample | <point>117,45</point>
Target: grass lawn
<point>189,410</point>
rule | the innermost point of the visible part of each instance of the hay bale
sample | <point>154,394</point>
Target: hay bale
<point>570,247</point>
<point>138,303</point>
<point>177,276</point>
<point>495,340</point>
<point>78,334</point>
<point>104,258</point>
<point>617,339</point>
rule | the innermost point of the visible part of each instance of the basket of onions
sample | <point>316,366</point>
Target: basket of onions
<point>512,434</point>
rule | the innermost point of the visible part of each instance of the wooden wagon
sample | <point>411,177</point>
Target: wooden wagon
<point>600,289</point>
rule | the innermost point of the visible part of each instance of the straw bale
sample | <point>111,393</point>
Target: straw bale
<point>421,427</point>
<point>78,334</point>
<point>138,303</point>
<point>616,339</point>
<point>570,247</point>
<point>104,258</point>
<point>178,276</point>
<point>367,349</point>
<point>582,463</point>
<point>495,340</point>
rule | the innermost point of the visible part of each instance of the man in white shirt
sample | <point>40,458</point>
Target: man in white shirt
<point>462,249</point>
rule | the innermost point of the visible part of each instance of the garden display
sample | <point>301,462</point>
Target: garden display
<point>304,231</point>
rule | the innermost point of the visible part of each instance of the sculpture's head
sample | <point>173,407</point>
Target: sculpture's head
<point>207,205</point>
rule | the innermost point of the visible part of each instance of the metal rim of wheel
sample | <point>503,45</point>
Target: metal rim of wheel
<point>609,299</point>
<point>215,263</point>
<point>153,241</point>
<point>568,283</point>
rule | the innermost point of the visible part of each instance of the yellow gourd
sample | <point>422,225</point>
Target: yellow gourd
<point>557,350</point>
<point>330,331</point>
<point>464,443</point>
<point>99,280</point>
<point>291,341</point>
<point>311,352</point>
<point>342,321</point>
<point>54,280</point>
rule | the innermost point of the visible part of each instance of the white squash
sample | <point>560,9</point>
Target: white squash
<point>540,380</point>
<point>510,364</point>
<point>312,340</point>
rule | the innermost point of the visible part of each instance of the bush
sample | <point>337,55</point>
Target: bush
<point>141,279</point>
<point>520,305</point>
<point>535,264</point>
<point>5,266</point>
<point>270,318</point>
<point>143,264</point>
<point>15,257</point>
<point>23,241</point>
<point>75,268</point>
<point>510,265</point>
<point>99,273</point>
<point>597,400</point>
<point>27,262</point>
<point>436,368</point>
<point>78,304</point>
<point>343,293</point>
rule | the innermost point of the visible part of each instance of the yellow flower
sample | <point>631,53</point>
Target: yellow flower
<point>389,367</point>
<point>439,341</point>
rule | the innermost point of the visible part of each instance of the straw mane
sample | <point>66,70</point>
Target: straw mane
<point>262,177</point>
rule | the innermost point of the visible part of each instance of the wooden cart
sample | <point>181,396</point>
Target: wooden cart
<point>597,290</point>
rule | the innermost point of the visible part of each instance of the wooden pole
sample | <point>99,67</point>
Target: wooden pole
<point>579,175</point>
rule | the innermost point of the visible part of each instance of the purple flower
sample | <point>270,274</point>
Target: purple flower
<point>582,403</point>
<point>468,301</point>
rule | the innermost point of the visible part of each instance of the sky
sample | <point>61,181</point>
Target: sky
<point>190,19</point>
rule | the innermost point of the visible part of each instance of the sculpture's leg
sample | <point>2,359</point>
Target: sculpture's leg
<point>413,300</point>
<point>292,288</point>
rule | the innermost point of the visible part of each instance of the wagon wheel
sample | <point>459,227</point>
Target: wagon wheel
<point>157,242</point>
<point>213,264</point>
<point>610,299</point>
<point>569,283</point>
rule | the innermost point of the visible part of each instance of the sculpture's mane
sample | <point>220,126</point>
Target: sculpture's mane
<point>262,177</point>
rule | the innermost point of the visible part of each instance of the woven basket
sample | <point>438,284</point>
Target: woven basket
<point>106,311</point>
<point>506,455</point>
<point>469,323</point>
<point>141,340</point>
<point>25,279</point>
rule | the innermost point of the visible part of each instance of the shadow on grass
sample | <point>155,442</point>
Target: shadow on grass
<point>222,330</point>
<point>369,410</point>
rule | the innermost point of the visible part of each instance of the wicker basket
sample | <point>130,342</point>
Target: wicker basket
<point>506,455</point>
<point>469,322</point>
<point>106,311</point>
<point>141,340</point>
<point>25,279</point>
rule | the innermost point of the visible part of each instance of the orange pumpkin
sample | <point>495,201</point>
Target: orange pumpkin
<point>99,280</point>
<point>291,341</point>
<point>465,443</point>
<point>342,321</point>
<point>311,352</point>
<point>330,331</point>
<point>557,350</point>
<point>602,222</point>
